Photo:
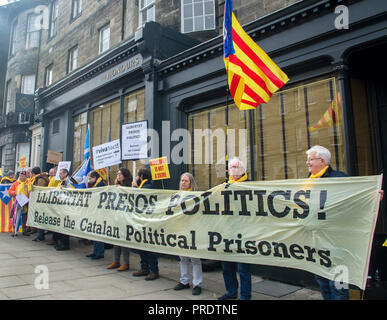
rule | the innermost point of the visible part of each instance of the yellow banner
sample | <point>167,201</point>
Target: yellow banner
<point>324,226</point>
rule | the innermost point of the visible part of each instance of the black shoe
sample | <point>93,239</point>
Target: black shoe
<point>37,239</point>
<point>181,286</point>
<point>91,255</point>
<point>97,257</point>
<point>227,297</point>
<point>62,248</point>
<point>196,291</point>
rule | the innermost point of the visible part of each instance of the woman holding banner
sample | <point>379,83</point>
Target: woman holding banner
<point>18,188</point>
<point>188,183</point>
<point>124,178</point>
<point>95,181</point>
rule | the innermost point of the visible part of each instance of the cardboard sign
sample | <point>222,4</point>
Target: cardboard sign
<point>54,157</point>
<point>23,162</point>
<point>159,168</point>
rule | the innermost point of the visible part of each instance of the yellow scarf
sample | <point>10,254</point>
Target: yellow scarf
<point>142,183</point>
<point>53,182</point>
<point>241,179</point>
<point>21,188</point>
<point>319,174</point>
<point>189,189</point>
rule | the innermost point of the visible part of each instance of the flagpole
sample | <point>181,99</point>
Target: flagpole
<point>227,93</point>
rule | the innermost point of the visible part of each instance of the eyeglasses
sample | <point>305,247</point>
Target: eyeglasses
<point>311,159</point>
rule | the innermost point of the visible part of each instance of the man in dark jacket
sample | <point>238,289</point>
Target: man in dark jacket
<point>318,159</point>
<point>237,173</point>
<point>40,179</point>
<point>149,260</point>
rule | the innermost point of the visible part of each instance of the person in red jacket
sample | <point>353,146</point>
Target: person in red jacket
<point>14,190</point>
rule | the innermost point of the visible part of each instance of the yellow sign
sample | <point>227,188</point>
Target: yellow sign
<point>23,162</point>
<point>159,168</point>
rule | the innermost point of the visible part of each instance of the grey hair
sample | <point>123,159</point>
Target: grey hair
<point>192,182</point>
<point>321,152</point>
<point>236,159</point>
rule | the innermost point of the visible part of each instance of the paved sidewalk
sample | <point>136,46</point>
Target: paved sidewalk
<point>72,276</point>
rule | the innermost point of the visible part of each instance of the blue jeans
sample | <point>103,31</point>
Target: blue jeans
<point>329,290</point>
<point>41,234</point>
<point>99,248</point>
<point>231,282</point>
<point>149,261</point>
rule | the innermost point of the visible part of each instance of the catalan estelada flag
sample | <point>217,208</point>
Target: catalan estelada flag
<point>252,76</point>
<point>104,173</point>
<point>6,203</point>
<point>331,117</point>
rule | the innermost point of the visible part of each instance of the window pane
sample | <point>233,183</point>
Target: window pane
<point>28,84</point>
<point>208,7</point>
<point>199,24</point>
<point>188,25</point>
<point>209,22</point>
<point>188,11</point>
<point>151,14</point>
<point>104,38</point>
<point>198,9</point>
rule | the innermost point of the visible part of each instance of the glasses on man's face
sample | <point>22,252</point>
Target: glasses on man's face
<point>312,159</point>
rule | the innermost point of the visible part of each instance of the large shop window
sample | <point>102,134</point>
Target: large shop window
<point>208,143</point>
<point>293,121</point>
<point>272,139</point>
<point>134,110</point>
<point>105,127</point>
<point>80,129</point>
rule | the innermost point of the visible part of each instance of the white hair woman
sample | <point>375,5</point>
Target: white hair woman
<point>188,183</point>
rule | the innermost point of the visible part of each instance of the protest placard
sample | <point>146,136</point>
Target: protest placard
<point>159,168</point>
<point>62,165</point>
<point>107,154</point>
<point>134,140</point>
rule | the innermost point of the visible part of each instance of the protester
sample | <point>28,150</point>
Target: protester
<point>95,181</point>
<point>17,188</point>
<point>188,183</point>
<point>318,159</point>
<point>40,179</point>
<point>149,262</point>
<point>124,178</point>
<point>237,173</point>
<point>63,240</point>
<point>52,174</point>
<point>8,178</point>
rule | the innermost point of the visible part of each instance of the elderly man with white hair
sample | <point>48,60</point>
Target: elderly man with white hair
<point>318,163</point>
<point>237,172</point>
<point>318,159</point>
